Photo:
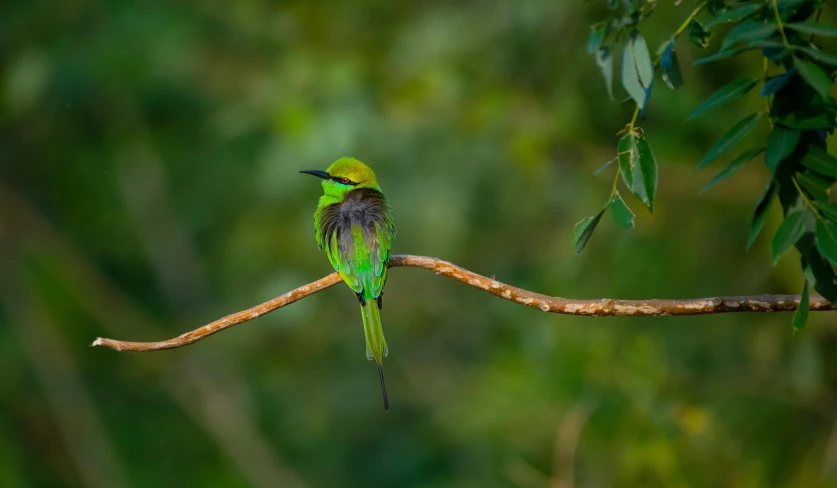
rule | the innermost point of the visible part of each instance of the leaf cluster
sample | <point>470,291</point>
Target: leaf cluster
<point>799,112</point>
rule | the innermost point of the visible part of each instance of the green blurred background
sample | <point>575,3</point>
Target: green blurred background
<point>148,184</point>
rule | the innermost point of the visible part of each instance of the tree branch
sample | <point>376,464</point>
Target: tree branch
<point>598,308</point>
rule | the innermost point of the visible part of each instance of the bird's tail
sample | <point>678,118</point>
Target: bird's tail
<point>376,345</point>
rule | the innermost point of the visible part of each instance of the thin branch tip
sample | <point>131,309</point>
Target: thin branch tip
<point>595,307</point>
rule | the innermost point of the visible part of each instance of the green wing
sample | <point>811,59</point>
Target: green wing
<point>381,258</point>
<point>328,235</point>
<point>358,251</point>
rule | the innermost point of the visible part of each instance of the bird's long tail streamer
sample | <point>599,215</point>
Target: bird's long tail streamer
<point>376,345</point>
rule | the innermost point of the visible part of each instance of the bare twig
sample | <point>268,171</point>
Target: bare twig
<point>599,308</point>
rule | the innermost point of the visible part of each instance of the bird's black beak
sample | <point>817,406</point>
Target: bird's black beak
<point>318,173</point>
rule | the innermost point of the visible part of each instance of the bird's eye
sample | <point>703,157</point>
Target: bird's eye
<point>345,181</point>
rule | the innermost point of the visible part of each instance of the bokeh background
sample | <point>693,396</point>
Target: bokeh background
<point>148,184</point>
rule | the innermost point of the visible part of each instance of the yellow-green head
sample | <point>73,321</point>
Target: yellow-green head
<point>343,176</point>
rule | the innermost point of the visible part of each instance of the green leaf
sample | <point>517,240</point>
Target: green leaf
<point>828,210</point>
<point>604,59</point>
<point>780,144</point>
<point>801,315</point>
<point>597,37</point>
<point>726,93</point>
<point>583,230</point>
<point>622,215</point>
<point>816,185</point>
<point>602,167</point>
<point>639,167</point>
<point>732,167</point>
<point>648,173</point>
<point>814,76</point>
<point>748,31</point>
<point>819,273</point>
<point>807,121</point>
<point>697,34</point>
<point>630,77</point>
<point>670,67</point>
<point>820,161</point>
<point>772,51</point>
<point>628,155</point>
<point>827,240</point>
<point>721,55</point>
<point>788,233</point>
<point>664,46</point>
<point>736,14</point>
<point>776,83</point>
<point>644,66</point>
<point>637,69</point>
<point>819,55</point>
<point>729,139</point>
<point>813,28</point>
<point>786,6</point>
<point>716,7</point>
<point>760,213</point>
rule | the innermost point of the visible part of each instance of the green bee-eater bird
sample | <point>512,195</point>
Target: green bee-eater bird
<point>354,225</point>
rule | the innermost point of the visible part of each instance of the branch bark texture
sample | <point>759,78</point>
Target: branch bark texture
<point>597,307</point>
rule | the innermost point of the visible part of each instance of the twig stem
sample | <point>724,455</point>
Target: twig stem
<point>779,23</point>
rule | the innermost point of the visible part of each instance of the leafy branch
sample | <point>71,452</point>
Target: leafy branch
<point>797,106</point>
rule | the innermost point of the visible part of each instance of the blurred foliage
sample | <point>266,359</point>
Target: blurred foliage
<point>801,114</point>
<point>148,185</point>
